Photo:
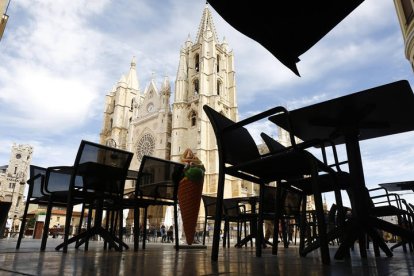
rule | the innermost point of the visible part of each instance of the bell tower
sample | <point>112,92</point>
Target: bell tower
<point>205,75</point>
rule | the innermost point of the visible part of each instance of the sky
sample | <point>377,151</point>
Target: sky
<point>58,60</point>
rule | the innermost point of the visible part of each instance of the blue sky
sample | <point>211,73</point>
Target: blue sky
<point>58,60</point>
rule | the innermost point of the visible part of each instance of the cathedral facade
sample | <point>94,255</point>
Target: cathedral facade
<point>157,122</point>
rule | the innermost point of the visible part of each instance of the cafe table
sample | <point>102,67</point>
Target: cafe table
<point>380,111</point>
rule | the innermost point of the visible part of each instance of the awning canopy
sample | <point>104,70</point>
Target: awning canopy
<point>285,28</point>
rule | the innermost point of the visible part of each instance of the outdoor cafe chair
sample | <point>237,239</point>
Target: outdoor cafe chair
<point>385,204</point>
<point>209,203</point>
<point>333,181</point>
<point>38,193</point>
<point>156,185</point>
<point>35,195</point>
<point>250,165</point>
<point>103,171</point>
<point>235,211</point>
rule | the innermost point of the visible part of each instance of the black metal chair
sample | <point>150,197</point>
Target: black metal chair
<point>385,204</point>
<point>333,181</point>
<point>156,185</point>
<point>35,195</point>
<point>236,211</point>
<point>249,165</point>
<point>103,171</point>
<point>209,203</point>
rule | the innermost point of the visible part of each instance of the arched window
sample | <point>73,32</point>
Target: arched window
<point>218,87</point>
<point>111,123</point>
<point>197,62</point>
<point>196,86</point>
<point>218,63</point>
<point>193,118</point>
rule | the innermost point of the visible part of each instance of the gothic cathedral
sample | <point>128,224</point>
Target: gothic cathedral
<point>146,123</point>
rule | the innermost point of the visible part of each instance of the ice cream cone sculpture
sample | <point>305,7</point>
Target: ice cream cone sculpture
<point>189,193</point>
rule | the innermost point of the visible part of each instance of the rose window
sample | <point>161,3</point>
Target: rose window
<point>146,146</point>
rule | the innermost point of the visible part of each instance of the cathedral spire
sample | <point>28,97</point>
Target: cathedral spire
<point>182,67</point>
<point>206,28</point>
<point>131,79</point>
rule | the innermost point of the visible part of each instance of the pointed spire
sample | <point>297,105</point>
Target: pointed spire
<point>165,87</point>
<point>131,79</point>
<point>182,67</point>
<point>188,43</point>
<point>206,26</point>
<point>225,45</point>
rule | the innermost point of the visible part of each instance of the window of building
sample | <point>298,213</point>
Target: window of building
<point>111,123</point>
<point>407,7</point>
<point>11,185</point>
<point>197,62</point>
<point>193,118</point>
<point>218,63</point>
<point>15,170</point>
<point>196,86</point>
<point>146,146</point>
<point>57,219</point>
<point>218,87</point>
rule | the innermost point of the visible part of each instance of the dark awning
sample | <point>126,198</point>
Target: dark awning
<point>285,28</point>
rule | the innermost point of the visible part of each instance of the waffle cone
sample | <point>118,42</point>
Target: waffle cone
<point>189,198</point>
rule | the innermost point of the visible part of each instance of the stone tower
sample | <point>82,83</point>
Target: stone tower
<point>118,110</point>
<point>13,178</point>
<point>205,76</point>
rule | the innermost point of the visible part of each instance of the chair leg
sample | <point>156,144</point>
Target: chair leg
<point>22,226</point>
<point>259,224</point>
<point>177,241</point>
<point>69,210</point>
<point>218,218</point>
<point>46,226</point>
<point>320,218</point>
<point>204,232</point>
<point>144,228</point>
<point>136,228</point>
<point>80,222</point>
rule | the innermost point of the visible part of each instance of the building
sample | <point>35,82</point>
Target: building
<point>13,178</point>
<point>405,14</point>
<point>153,122</point>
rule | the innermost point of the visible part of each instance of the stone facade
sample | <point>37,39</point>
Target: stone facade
<point>13,178</point>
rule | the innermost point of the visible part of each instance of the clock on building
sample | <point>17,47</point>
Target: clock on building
<point>18,156</point>
<point>146,146</point>
<point>150,107</point>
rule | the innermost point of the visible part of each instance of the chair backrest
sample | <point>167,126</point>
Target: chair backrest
<point>102,167</point>
<point>234,145</point>
<point>158,178</point>
<point>37,175</point>
<point>209,205</point>
<point>232,207</point>
<point>291,201</point>
<point>271,143</point>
